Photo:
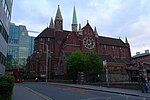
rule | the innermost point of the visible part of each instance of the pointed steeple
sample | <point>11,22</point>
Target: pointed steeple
<point>58,14</point>
<point>58,21</point>
<point>80,30</point>
<point>79,27</point>
<point>74,21</point>
<point>95,31</point>
<point>51,25</point>
<point>126,40</point>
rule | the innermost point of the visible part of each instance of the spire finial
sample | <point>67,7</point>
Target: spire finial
<point>79,27</point>
<point>95,31</point>
<point>58,14</point>
<point>126,40</point>
<point>74,20</point>
<point>51,25</point>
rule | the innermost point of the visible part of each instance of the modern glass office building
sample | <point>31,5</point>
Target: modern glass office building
<point>31,44</point>
<point>18,43</point>
<point>23,45</point>
<point>5,17</point>
<point>13,41</point>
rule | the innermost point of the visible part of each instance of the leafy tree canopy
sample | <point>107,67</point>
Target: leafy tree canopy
<point>77,61</point>
<point>94,65</point>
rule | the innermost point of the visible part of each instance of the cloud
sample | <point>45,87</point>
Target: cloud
<point>140,32</point>
<point>114,18</point>
<point>35,15</point>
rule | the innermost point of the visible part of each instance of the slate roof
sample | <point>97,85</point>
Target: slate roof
<point>49,33</point>
<point>109,58</point>
<point>140,55</point>
<point>111,41</point>
<point>65,33</point>
<point>132,68</point>
<point>123,60</point>
<point>46,33</point>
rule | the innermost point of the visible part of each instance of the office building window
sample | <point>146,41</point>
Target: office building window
<point>2,59</point>
<point>3,3</point>
<point>0,27</point>
<point>3,32</point>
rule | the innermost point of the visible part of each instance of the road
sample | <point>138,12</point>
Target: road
<point>58,92</point>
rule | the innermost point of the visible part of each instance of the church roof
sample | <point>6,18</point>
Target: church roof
<point>65,33</point>
<point>46,33</point>
<point>87,26</point>
<point>123,60</point>
<point>109,58</point>
<point>111,41</point>
<point>141,55</point>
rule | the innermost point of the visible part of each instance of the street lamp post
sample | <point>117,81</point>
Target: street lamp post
<point>46,61</point>
<point>46,65</point>
<point>106,71</point>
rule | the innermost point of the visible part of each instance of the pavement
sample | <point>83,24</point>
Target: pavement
<point>25,93</point>
<point>130,92</point>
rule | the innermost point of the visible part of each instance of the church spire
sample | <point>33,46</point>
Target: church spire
<point>58,21</point>
<point>58,14</point>
<point>95,31</point>
<point>74,21</point>
<point>51,25</point>
<point>126,40</point>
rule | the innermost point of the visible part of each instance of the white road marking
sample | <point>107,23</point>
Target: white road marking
<point>127,97</point>
<point>39,94</point>
<point>96,98</point>
<point>108,98</point>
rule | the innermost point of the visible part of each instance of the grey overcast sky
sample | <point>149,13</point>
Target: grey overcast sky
<point>113,18</point>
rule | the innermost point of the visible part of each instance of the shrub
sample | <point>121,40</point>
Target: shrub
<point>6,87</point>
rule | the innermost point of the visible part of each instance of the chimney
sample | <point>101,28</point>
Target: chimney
<point>137,53</point>
<point>147,51</point>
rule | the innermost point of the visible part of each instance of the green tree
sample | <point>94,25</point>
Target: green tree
<point>94,66</point>
<point>76,62</point>
<point>13,63</point>
<point>9,64</point>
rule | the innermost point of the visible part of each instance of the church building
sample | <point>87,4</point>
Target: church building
<point>54,44</point>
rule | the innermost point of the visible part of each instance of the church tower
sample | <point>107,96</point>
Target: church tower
<point>58,21</point>
<point>74,21</point>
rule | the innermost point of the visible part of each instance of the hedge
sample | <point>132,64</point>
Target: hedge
<point>6,87</point>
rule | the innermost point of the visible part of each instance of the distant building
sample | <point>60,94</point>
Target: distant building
<point>31,44</point>
<point>5,17</point>
<point>13,41</point>
<point>141,63</point>
<point>62,43</point>
<point>18,43</point>
<point>141,58</point>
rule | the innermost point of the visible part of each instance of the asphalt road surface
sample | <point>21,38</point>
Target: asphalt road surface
<point>58,92</point>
